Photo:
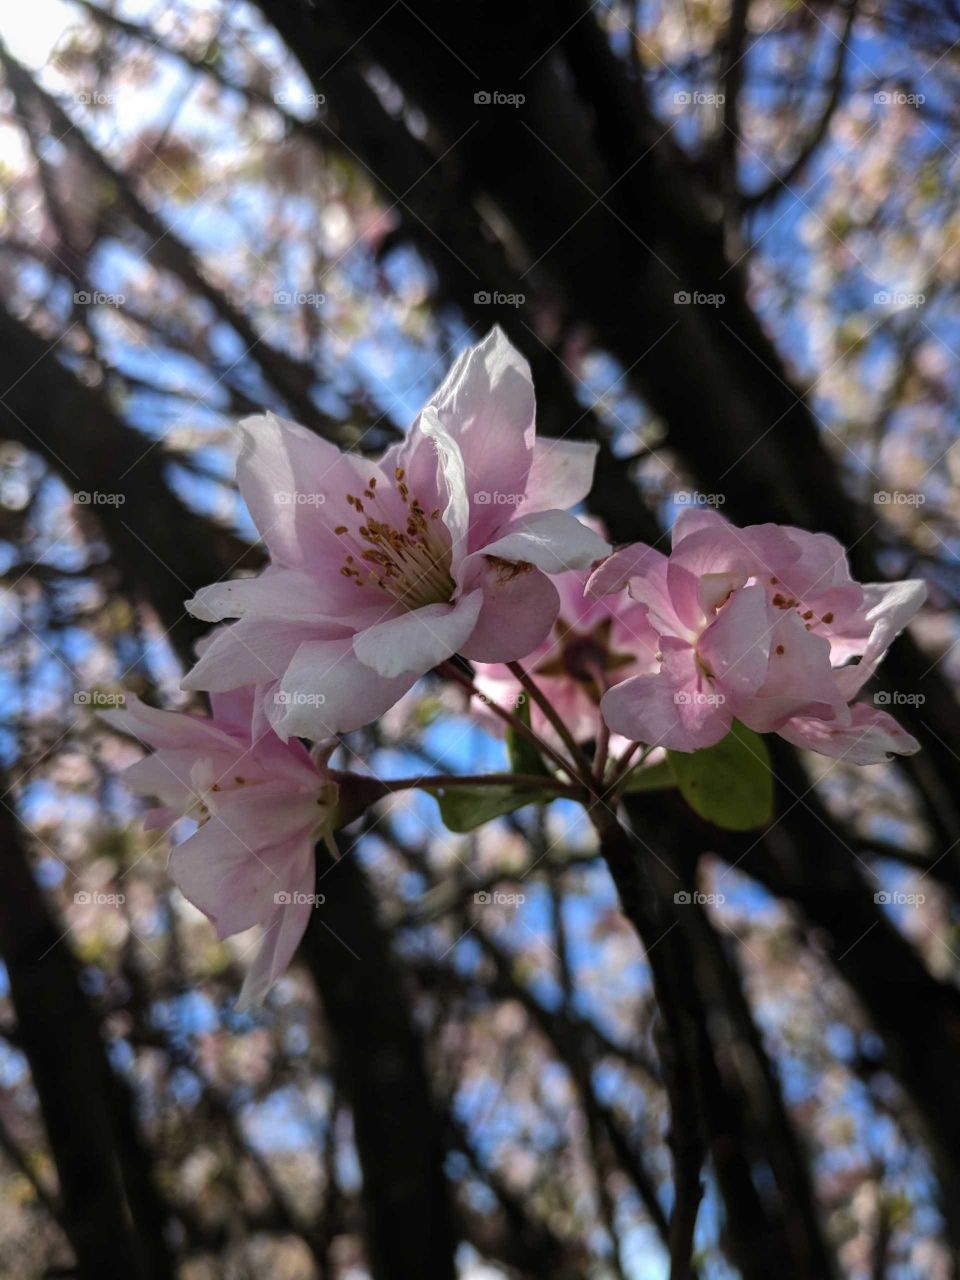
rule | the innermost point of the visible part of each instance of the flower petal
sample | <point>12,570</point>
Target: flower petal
<point>226,872</point>
<point>554,541</point>
<point>871,736</point>
<point>736,646</point>
<point>676,708</point>
<point>520,605</point>
<point>561,474</point>
<point>889,607</point>
<point>253,651</point>
<point>417,641</point>
<point>282,931</point>
<point>327,690</point>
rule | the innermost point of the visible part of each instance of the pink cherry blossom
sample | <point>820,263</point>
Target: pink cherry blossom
<point>593,644</point>
<point>382,570</point>
<point>260,805</point>
<point>764,625</point>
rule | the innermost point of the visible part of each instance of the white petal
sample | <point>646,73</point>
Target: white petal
<point>327,690</point>
<point>417,641</point>
<point>554,541</point>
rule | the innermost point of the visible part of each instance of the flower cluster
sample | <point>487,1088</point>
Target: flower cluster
<point>764,625</point>
<point>459,542</point>
<point>379,571</point>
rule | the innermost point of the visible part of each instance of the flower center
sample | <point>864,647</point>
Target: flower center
<point>411,564</point>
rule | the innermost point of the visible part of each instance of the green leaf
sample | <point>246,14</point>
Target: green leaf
<point>465,808</point>
<point>650,777</point>
<point>524,756</point>
<point>730,784</point>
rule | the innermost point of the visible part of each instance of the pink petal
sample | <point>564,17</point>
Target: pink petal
<point>677,708</point>
<point>282,932</point>
<point>561,474</point>
<point>613,573</point>
<point>799,679</point>
<point>871,737</point>
<point>520,605</point>
<point>736,646</point>
<point>296,486</point>
<point>224,875</point>
<point>167,729</point>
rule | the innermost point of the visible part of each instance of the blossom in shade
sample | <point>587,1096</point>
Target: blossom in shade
<point>379,571</point>
<point>594,644</point>
<point>260,805</point>
<point>764,625</point>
